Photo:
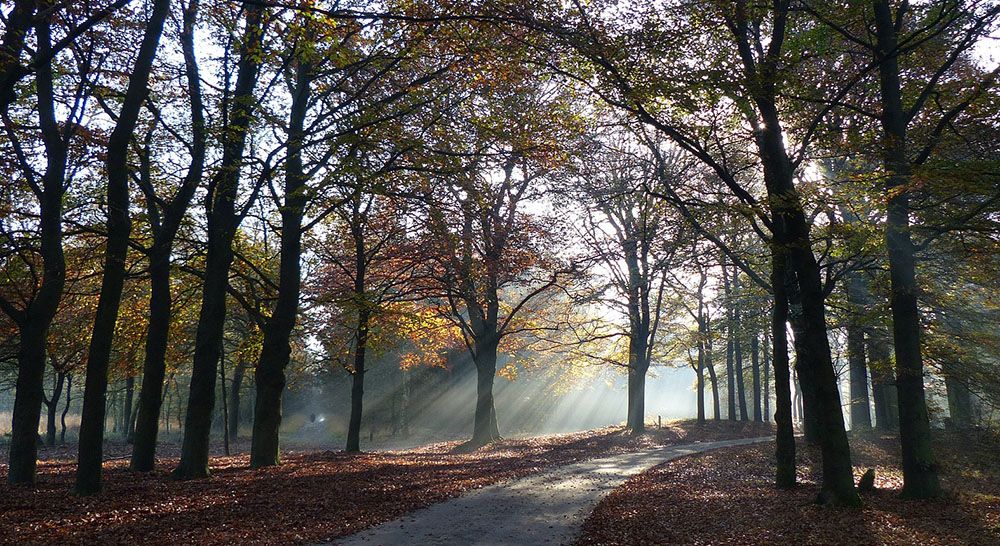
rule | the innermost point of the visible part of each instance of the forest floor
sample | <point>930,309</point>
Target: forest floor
<point>726,497</point>
<point>311,497</point>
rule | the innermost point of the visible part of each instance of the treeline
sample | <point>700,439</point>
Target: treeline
<point>312,184</point>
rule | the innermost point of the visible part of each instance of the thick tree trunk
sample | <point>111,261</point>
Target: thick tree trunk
<point>276,351</point>
<point>485,428</point>
<point>813,346</point>
<point>222,225</point>
<point>119,226</point>
<point>920,479</point>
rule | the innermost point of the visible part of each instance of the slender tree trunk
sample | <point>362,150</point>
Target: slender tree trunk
<point>276,350</point>
<point>738,349</point>
<point>127,426</point>
<point>225,402</point>
<point>358,382</point>
<point>53,407</point>
<point>730,334</point>
<point>755,369</point>
<point>223,221</point>
<point>920,479</point>
<point>861,418</point>
<point>785,439</point>
<point>700,378</point>
<point>33,323</point>
<point>767,382</point>
<point>119,226</point>
<point>713,379</point>
<point>158,330</point>
<point>959,398</point>
<point>805,394</point>
<point>236,383</point>
<point>69,398</point>
<point>883,379</point>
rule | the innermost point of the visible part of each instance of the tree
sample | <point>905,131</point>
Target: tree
<point>90,457</point>
<point>223,222</point>
<point>165,219</point>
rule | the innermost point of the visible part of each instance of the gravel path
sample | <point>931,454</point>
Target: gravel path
<point>547,508</point>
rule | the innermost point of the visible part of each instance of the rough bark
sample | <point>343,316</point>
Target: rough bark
<point>920,479</point>
<point>223,221</point>
<point>119,226</point>
<point>158,329</point>
<point>33,322</point>
<point>276,350</point>
<point>69,398</point>
<point>785,434</point>
<point>52,405</point>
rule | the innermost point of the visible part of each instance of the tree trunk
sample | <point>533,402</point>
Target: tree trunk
<point>276,350</point>
<point>785,434</point>
<point>861,418</point>
<point>53,407</point>
<point>128,428</point>
<point>713,379</point>
<point>33,323</point>
<point>805,394</point>
<point>730,368</point>
<point>883,380</point>
<point>767,382</point>
<point>920,479</point>
<point>158,330</point>
<point>119,226</point>
<point>69,398</point>
<point>959,399</point>
<point>738,350</point>
<point>236,383</point>
<point>755,363</point>
<point>699,370</point>
<point>154,366</point>
<point>485,429</point>
<point>358,383</point>
<point>223,221</point>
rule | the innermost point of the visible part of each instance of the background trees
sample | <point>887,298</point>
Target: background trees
<point>368,187</point>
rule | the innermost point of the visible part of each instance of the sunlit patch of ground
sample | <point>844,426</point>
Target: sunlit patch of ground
<point>312,497</point>
<point>726,497</point>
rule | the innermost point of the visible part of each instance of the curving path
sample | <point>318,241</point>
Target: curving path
<point>546,508</point>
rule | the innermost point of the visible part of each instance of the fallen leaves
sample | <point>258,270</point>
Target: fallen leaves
<point>311,497</point>
<point>727,497</point>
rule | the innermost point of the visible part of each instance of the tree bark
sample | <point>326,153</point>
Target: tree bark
<point>861,418</point>
<point>236,383</point>
<point>485,428</point>
<point>785,434</point>
<point>755,370</point>
<point>34,321</point>
<point>223,221</point>
<point>158,329</point>
<point>276,350</point>
<point>119,226</point>
<point>52,404</point>
<point>920,479</point>
<point>69,398</point>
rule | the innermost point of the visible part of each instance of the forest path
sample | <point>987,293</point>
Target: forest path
<point>546,508</point>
